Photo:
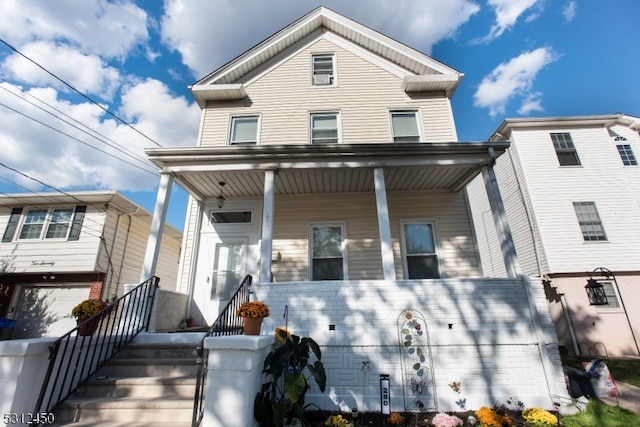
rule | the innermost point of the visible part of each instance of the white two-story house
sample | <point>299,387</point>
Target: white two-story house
<point>60,249</point>
<point>328,168</point>
<point>571,190</point>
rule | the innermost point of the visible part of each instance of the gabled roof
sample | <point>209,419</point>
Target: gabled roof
<point>423,72</point>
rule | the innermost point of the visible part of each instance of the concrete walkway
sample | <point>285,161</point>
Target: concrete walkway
<point>629,397</point>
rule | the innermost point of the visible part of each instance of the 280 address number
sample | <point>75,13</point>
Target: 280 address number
<point>29,418</point>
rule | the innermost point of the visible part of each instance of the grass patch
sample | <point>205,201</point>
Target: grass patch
<point>599,414</point>
<point>625,370</point>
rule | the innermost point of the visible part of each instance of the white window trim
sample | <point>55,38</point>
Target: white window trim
<point>436,244</point>
<point>45,225</point>
<point>607,308</point>
<point>334,63</point>
<point>327,113</point>
<point>243,116</point>
<point>345,263</point>
<point>418,116</point>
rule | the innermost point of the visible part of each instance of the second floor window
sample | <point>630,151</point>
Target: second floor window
<point>55,224</point>
<point>589,220</point>
<point>565,150</point>
<point>404,126</point>
<point>244,130</point>
<point>324,128</point>
<point>626,154</point>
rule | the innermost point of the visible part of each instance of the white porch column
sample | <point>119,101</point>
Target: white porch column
<point>384,225</point>
<point>502,225</point>
<point>157,226</point>
<point>266,246</point>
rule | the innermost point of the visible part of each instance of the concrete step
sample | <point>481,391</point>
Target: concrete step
<point>94,410</point>
<point>141,367</point>
<point>157,351</point>
<point>136,387</point>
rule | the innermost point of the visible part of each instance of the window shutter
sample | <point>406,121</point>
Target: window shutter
<point>76,226</point>
<point>12,225</point>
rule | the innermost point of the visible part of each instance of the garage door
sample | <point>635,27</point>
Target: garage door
<point>46,310</point>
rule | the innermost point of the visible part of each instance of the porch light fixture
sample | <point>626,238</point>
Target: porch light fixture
<point>221,198</point>
<point>596,294</point>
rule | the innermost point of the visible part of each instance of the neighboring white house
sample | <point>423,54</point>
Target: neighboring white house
<point>60,249</point>
<point>328,168</point>
<point>571,190</point>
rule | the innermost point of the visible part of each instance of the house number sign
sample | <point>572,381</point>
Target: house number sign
<point>385,395</point>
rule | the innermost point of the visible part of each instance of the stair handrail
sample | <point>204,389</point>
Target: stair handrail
<point>74,358</point>
<point>227,323</point>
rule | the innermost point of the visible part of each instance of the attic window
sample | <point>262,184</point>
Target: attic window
<point>322,70</point>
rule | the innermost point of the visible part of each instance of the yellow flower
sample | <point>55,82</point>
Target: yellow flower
<point>489,417</point>
<point>395,418</point>
<point>88,308</point>
<point>539,416</point>
<point>282,334</point>
<point>253,309</point>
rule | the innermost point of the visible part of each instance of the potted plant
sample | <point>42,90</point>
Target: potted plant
<point>252,313</point>
<point>85,311</point>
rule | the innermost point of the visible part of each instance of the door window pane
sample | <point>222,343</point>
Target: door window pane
<point>227,269</point>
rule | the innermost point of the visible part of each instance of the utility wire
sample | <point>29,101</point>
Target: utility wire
<point>85,129</point>
<point>77,91</point>
<point>76,139</point>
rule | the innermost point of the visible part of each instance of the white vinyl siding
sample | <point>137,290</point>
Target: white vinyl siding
<point>364,96</point>
<point>358,212</point>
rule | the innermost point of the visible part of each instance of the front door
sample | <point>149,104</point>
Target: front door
<point>228,252</point>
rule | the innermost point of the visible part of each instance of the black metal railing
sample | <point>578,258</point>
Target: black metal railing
<point>226,324</point>
<point>74,357</point>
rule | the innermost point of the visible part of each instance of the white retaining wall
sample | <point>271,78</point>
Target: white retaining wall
<point>482,334</point>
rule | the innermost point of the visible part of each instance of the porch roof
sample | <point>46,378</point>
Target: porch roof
<point>311,169</point>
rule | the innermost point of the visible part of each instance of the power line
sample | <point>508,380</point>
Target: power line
<point>87,130</point>
<point>76,139</point>
<point>78,92</point>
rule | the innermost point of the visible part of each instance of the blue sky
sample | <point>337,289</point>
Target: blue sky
<point>132,62</point>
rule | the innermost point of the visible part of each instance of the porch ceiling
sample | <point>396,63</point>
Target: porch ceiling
<point>305,169</point>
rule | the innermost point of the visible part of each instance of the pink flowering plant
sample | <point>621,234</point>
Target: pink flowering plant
<point>445,420</point>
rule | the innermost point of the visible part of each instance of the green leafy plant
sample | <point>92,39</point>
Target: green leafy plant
<point>290,370</point>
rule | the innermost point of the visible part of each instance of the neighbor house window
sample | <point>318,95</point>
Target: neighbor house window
<point>49,224</point>
<point>56,223</point>
<point>626,154</point>
<point>323,70</point>
<point>324,128</point>
<point>589,220</point>
<point>404,126</point>
<point>244,130</point>
<point>612,296</point>
<point>420,255</point>
<point>565,150</point>
<point>327,252</point>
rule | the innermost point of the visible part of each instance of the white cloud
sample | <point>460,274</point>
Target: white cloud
<point>99,27</point>
<point>570,10</point>
<point>64,162</point>
<point>87,73</point>
<point>507,13</point>
<point>193,27</point>
<point>530,104</point>
<point>511,79</point>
